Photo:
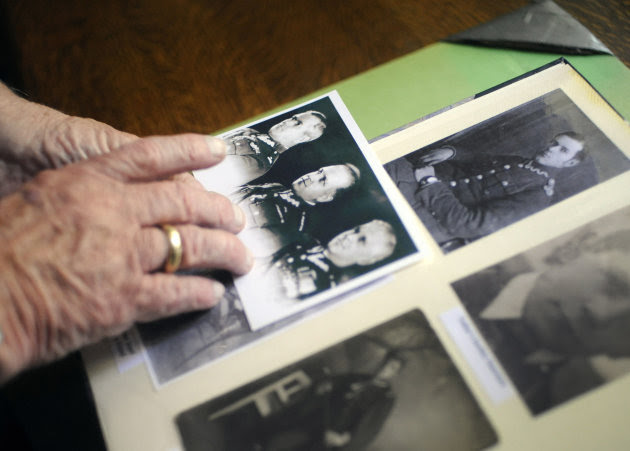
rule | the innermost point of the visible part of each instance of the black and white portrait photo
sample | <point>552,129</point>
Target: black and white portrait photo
<point>177,345</point>
<point>284,283</point>
<point>319,221</point>
<point>504,169</point>
<point>390,388</point>
<point>278,214</point>
<point>180,344</point>
<point>557,317</point>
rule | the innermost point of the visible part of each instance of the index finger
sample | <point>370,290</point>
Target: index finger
<point>161,156</point>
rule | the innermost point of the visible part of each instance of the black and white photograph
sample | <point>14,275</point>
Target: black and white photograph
<point>488,176</point>
<point>557,317</point>
<point>319,221</point>
<point>178,345</point>
<point>390,388</point>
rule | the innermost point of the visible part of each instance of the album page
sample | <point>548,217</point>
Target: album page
<point>497,317</point>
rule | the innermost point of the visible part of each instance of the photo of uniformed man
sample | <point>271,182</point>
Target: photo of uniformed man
<point>251,152</point>
<point>504,169</point>
<point>276,214</point>
<point>306,266</point>
<point>558,316</point>
<point>303,210</point>
<point>390,388</point>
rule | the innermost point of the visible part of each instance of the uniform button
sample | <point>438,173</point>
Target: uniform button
<point>520,165</point>
<point>479,177</point>
<point>492,171</point>
<point>453,183</point>
<point>504,183</point>
<point>302,257</point>
<point>507,166</point>
<point>290,260</point>
<point>466,180</point>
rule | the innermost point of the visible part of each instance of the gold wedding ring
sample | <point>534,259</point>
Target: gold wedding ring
<point>174,241</point>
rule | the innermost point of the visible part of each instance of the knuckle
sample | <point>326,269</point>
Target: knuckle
<point>152,247</point>
<point>216,248</point>
<point>149,307</point>
<point>55,187</point>
<point>35,192</point>
<point>140,156</point>
<point>109,315</point>
<point>234,252</point>
<point>146,154</point>
<point>194,149</point>
<point>224,247</point>
<point>173,294</point>
<point>187,200</point>
<point>193,249</point>
<point>46,179</point>
<point>222,210</point>
<point>143,145</point>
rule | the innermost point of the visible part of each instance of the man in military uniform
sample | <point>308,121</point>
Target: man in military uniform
<point>564,326</point>
<point>463,201</point>
<point>250,153</point>
<point>305,411</point>
<point>307,267</point>
<point>253,153</point>
<point>276,213</point>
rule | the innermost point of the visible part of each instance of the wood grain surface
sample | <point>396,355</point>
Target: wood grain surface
<point>167,66</point>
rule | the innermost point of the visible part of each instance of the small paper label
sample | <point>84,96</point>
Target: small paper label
<point>127,349</point>
<point>476,353</point>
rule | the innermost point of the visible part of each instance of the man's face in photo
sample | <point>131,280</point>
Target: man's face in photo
<point>300,128</point>
<point>561,152</point>
<point>322,185</point>
<point>363,245</point>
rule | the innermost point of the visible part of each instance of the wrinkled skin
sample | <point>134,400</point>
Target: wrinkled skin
<point>80,252</point>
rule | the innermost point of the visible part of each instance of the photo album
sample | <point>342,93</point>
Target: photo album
<point>462,282</point>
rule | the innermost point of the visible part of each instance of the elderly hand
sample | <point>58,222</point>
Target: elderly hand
<point>34,137</point>
<point>80,252</point>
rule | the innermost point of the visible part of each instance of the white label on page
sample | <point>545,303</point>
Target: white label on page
<point>477,354</point>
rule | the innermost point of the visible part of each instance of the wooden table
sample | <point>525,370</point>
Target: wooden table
<point>166,66</point>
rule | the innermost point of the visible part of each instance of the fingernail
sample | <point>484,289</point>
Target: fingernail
<point>239,216</point>
<point>216,145</point>
<point>219,291</point>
